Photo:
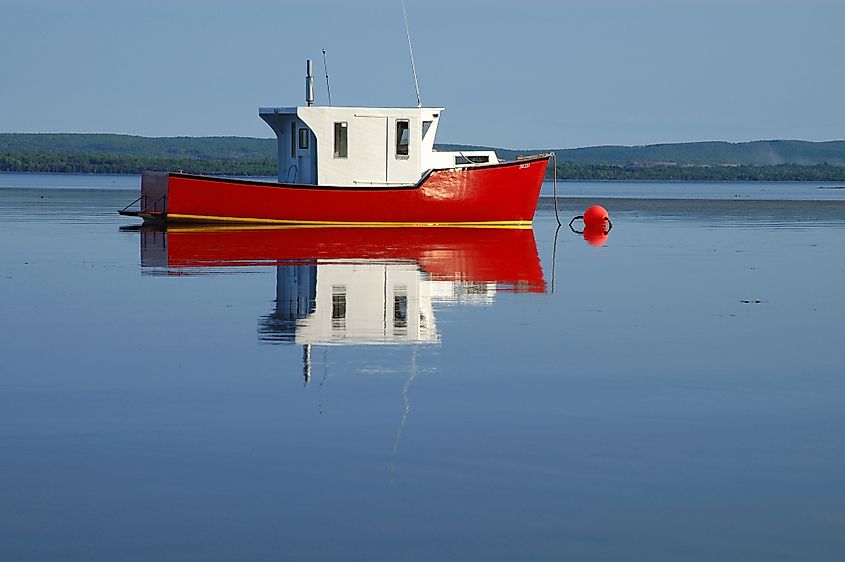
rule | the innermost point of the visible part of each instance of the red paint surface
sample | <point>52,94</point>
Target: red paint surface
<point>596,216</point>
<point>505,256</point>
<point>500,192</point>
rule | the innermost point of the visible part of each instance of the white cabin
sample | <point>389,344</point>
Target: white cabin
<point>361,146</point>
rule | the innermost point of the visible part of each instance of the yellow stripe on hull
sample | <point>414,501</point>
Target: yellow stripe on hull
<point>244,220</point>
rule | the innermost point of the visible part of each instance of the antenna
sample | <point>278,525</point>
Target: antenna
<point>326,68</point>
<point>411,51</point>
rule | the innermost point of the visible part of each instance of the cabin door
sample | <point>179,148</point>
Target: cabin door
<point>306,155</point>
<point>399,148</point>
<point>371,156</point>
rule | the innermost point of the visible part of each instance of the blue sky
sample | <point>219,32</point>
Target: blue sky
<point>520,74</point>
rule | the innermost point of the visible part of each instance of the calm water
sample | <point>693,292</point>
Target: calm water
<point>675,393</point>
<point>757,191</point>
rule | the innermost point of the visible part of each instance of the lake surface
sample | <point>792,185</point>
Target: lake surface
<point>673,392</point>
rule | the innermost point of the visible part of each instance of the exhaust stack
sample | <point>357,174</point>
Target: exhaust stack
<point>309,84</point>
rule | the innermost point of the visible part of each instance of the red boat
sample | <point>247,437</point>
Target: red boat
<point>356,166</point>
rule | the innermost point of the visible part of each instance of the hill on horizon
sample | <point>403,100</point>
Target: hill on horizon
<point>702,153</point>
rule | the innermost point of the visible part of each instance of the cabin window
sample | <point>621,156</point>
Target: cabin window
<point>403,137</point>
<point>400,308</point>
<point>426,125</point>
<point>303,138</point>
<point>293,140</point>
<point>338,306</point>
<point>400,311</point>
<point>341,145</point>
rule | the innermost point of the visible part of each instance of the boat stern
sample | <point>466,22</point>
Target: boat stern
<point>152,204</point>
<point>154,190</point>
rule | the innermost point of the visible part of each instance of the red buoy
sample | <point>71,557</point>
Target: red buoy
<point>596,216</point>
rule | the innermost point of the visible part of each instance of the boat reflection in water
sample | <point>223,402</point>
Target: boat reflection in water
<point>360,286</point>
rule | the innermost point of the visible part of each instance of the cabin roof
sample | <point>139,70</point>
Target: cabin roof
<point>293,110</point>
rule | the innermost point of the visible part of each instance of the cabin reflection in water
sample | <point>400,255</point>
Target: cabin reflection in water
<point>361,286</point>
<point>296,298</point>
<point>362,303</point>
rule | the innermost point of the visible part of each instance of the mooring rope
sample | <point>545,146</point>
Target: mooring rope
<point>554,186</point>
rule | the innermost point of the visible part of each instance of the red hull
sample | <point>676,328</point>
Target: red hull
<point>495,194</point>
<point>505,256</point>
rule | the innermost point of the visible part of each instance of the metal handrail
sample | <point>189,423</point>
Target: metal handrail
<point>144,207</point>
<point>155,204</point>
<point>132,203</point>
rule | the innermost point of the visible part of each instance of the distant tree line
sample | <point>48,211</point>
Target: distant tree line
<point>200,148</point>
<point>781,172</point>
<point>120,164</point>
<point>711,153</point>
<point>131,164</point>
<point>714,153</point>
